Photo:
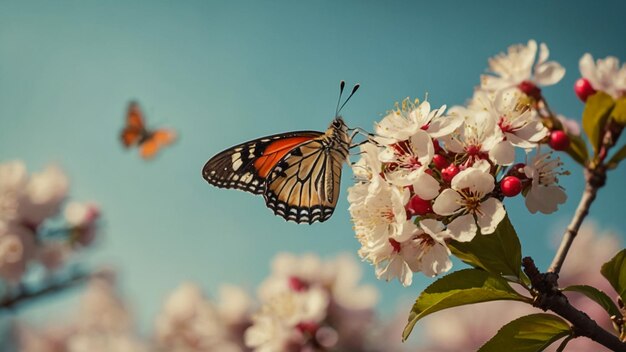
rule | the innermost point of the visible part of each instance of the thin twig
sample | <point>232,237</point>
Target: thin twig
<point>549,297</point>
<point>26,295</point>
<point>589,195</point>
<point>595,177</point>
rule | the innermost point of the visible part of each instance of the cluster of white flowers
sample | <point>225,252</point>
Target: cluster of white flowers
<point>306,304</point>
<point>27,202</point>
<point>309,304</point>
<point>190,322</point>
<point>428,177</point>
<point>103,323</point>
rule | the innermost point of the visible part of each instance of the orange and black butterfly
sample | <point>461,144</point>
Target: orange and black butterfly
<point>148,141</point>
<point>298,173</point>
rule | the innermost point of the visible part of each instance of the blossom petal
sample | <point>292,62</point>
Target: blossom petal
<point>447,203</point>
<point>474,179</point>
<point>544,52</point>
<point>545,199</point>
<point>502,153</point>
<point>434,228</point>
<point>442,126</point>
<point>549,73</point>
<point>436,260</point>
<point>426,186</point>
<point>587,68</point>
<point>463,228</point>
<point>491,213</point>
<point>396,267</point>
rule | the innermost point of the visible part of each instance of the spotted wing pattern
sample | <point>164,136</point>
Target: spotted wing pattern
<point>304,185</point>
<point>246,166</point>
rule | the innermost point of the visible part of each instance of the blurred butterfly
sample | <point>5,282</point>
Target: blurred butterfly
<point>298,173</point>
<point>135,133</point>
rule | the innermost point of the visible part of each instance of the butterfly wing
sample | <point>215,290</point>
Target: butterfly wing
<point>135,128</point>
<point>246,166</point>
<point>304,185</point>
<point>156,140</point>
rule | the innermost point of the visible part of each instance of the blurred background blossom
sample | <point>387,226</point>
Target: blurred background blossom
<point>302,305</point>
<point>33,228</point>
<point>68,69</point>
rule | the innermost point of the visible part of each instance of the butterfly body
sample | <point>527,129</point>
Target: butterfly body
<point>298,173</point>
<point>135,133</point>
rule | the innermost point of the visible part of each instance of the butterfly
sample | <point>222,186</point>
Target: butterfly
<point>148,141</point>
<point>298,173</point>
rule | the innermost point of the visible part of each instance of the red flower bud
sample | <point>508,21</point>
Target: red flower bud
<point>298,285</point>
<point>440,161</point>
<point>511,186</point>
<point>558,140</point>
<point>530,89</point>
<point>449,172</point>
<point>418,206</point>
<point>583,89</point>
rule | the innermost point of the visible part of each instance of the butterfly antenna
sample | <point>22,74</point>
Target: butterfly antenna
<point>342,85</point>
<point>354,89</point>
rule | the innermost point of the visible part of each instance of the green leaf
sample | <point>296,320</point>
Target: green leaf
<point>619,111</point>
<point>577,149</point>
<point>597,111</point>
<point>460,288</point>
<point>499,253</point>
<point>530,333</point>
<point>598,296</point>
<point>615,271</point>
<point>617,157</point>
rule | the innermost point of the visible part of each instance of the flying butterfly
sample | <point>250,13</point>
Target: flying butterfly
<point>135,133</point>
<point>298,173</point>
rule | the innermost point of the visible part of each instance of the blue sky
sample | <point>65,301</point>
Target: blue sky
<point>222,72</point>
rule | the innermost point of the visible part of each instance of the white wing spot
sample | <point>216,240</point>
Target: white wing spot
<point>247,177</point>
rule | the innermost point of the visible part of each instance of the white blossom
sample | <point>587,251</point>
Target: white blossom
<point>190,322</point>
<point>544,194</point>
<point>469,201</point>
<point>44,194</point>
<point>604,74</point>
<point>518,65</point>
<point>284,317</point>
<point>407,163</point>
<point>13,180</point>
<point>519,124</point>
<point>17,248</point>
<point>476,139</point>
<point>403,122</point>
<point>435,255</point>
